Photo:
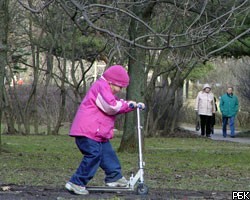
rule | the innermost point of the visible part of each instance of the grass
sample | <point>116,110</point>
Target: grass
<point>180,163</point>
<point>245,134</point>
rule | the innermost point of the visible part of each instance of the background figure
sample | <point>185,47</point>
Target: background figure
<point>205,107</point>
<point>229,106</point>
<point>213,117</point>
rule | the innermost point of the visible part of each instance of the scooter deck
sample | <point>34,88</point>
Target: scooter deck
<point>110,189</point>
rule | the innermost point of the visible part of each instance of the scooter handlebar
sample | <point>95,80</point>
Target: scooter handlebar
<point>138,105</point>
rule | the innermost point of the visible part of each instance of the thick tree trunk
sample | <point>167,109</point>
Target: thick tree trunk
<point>4,21</point>
<point>137,73</point>
<point>9,112</point>
<point>135,92</point>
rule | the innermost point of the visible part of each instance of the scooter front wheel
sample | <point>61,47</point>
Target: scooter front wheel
<point>142,189</point>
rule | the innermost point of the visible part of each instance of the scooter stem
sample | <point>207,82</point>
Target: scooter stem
<point>141,163</point>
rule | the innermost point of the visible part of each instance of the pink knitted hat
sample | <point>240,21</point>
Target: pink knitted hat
<point>117,75</point>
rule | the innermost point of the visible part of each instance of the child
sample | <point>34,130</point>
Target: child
<point>93,126</point>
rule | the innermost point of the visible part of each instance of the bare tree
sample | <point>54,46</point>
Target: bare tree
<point>38,35</point>
<point>194,24</point>
<point>186,32</point>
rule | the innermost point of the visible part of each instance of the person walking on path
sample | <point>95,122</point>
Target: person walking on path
<point>229,106</point>
<point>205,107</point>
<point>93,127</point>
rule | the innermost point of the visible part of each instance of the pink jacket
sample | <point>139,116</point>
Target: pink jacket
<point>95,117</point>
<point>205,104</point>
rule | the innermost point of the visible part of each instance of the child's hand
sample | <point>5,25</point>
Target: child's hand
<point>132,104</point>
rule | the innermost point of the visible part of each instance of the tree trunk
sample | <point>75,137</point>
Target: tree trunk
<point>4,21</point>
<point>171,122</point>
<point>9,112</point>
<point>134,92</point>
<point>187,89</point>
<point>31,106</point>
<point>137,78</point>
<point>150,94</point>
<point>35,109</point>
<point>49,59</point>
<point>168,102</point>
<point>63,101</point>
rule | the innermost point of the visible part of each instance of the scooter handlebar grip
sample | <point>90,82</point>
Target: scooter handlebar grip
<point>139,106</point>
<point>131,105</point>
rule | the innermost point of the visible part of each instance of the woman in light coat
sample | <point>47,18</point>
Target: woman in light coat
<point>205,107</point>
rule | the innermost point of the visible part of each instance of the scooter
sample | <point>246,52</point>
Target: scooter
<point>136,179</point>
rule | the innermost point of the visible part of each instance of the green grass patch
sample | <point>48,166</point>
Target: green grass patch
<point>180,163</point>
<point>244,134</point>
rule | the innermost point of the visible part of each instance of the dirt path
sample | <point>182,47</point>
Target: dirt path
<point>41,193</point>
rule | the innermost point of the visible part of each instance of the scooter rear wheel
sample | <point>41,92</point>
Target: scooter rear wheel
<point>142,189</point>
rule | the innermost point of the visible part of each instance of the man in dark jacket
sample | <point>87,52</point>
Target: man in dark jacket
<point>229,106</point>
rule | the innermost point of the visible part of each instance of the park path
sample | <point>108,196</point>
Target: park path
<point>218,135</point>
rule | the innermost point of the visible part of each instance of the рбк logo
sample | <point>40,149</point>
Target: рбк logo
<point>241,195</point>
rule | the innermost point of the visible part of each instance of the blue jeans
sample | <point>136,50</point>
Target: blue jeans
<point>231,124</point>
<point>96,154</point>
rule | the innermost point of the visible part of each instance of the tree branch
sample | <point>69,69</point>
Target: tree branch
<point>46,4</point>
<point>230,42</point>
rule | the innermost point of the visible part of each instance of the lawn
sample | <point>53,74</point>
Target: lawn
<point>180,163</point>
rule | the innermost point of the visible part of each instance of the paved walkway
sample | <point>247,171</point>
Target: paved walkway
<point>218,135</point>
